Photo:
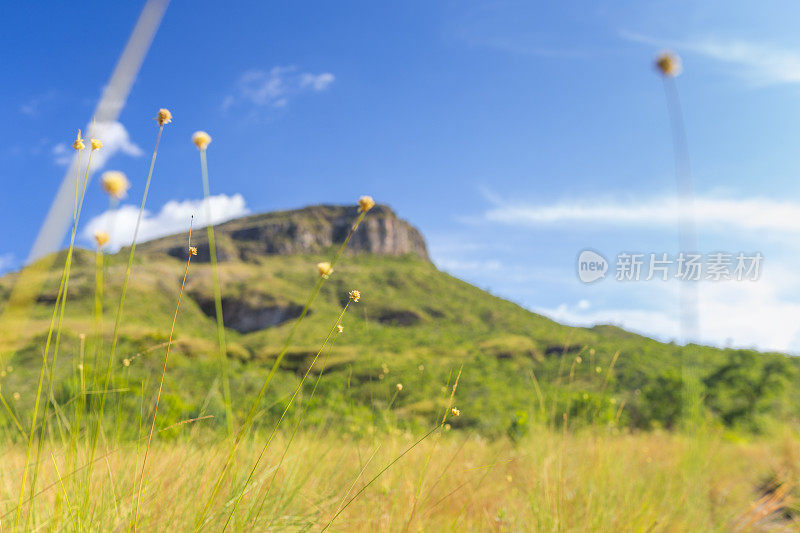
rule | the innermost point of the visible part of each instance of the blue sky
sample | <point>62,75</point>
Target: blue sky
<point>513,134</point>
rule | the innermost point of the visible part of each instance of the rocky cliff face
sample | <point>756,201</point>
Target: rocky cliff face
<point>303,231</point>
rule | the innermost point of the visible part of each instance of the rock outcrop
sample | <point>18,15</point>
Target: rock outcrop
<point>309,230</point>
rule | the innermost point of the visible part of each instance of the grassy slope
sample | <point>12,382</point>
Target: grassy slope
<point>500,345</point>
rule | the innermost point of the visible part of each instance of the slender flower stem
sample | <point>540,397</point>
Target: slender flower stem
<point>118,320</point>
<point>212,252</point>
<point>161,382</point>
<point>45,356</point>
<point>283,415</point>
<point>201,518</point>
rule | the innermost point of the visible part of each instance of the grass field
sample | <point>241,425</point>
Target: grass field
<point>551,481</point>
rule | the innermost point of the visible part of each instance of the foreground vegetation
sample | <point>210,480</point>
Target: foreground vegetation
<point>550,481</point>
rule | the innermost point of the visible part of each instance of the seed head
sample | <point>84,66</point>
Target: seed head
<point>355,295</point>
<point>115,183</point>
<point>126,362</point>
<point>97,144</point>
<point>78,144</point>
<point>192,250</point>
<point>201,139</point>
<point>669,64</point>
<point>101,238</point>
<point>399,386</point>
<point>339,328</point>
<point>163,117</point>
<point>455,412</point>
<point>365,203</point>
<point>325,269</point>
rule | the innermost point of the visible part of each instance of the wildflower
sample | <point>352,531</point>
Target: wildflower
<point>78,144</point>
<point>192,250</point>
<point>509,478</point>
<point>455,412</point>
<point>80,367</point>
<point>201,139</point>
<point>16,396</point>
<point>126,362</point>
<point>325,269</point>
<point>598,369</point>
<point>2,373</point>
<point>97,144</point>
<point>592,351</point>
<point>669,64</point>
<point>578,359</point>
<point>355,295</point>
<point>115,183</point>
<point>163,117</point>
<point>447,427</point>
<point>399,387</point>
<point>385,368</point>
<point>101,238</point>
<point>339,328</point>
<point>421,368</point>
<point>365,203</point>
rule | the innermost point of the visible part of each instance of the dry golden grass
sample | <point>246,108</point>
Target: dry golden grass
<point>588,481</point>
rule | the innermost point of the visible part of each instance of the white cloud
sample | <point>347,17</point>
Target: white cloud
<point>276,87</point>
<point>115,140</point>
<point>759,63</point>
<point>173,217</point>
<point>7,262</point>
<point>457,265</point>
<point>33,107</point>
<point>759,214</point>
<point>731,313</point>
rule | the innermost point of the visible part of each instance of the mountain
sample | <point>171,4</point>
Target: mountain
<point>414,325</point>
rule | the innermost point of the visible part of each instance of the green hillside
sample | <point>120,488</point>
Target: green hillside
<point>414,325</point>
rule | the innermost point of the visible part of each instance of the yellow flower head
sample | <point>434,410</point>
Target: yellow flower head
<point>325,269</point>
<point>97,144</point>
<point>78,144</point>
<point>399,386</point>
<point>115,183</point>
<point>455,412</point>
<point>339,328</point>
<point>163,117</point>
<point>192,250</point>
<point>101,238</point>
<point>365,203</point>
<point>579,359</point>
<point>201,139</point>
<point>16,396</point>
<point>126,362</point>
<point>355,295</point>
<point>669,64</point>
